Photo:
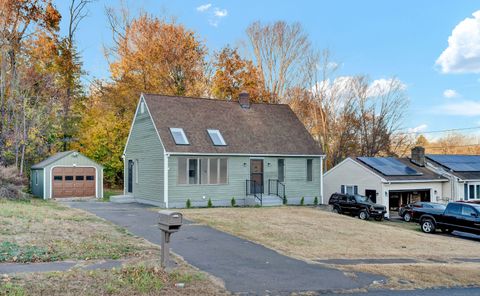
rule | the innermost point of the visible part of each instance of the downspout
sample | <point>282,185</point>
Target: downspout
<point>321,179</point>
<point>124,179</point>
<point>165,178</point>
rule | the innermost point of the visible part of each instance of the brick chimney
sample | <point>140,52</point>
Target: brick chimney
<point>418,156</point>
<point>244,100</point>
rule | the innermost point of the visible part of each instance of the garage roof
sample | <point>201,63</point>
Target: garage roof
<point>424,174</point>
<point>56,157</point>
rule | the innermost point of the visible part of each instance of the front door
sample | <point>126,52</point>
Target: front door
<point>256,175</point>
<point>372,194</point>
<point>130,176</point>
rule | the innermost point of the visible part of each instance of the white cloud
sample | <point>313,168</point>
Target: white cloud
<point>215,14</point>
<point>463,108</point>
<point>418,129</point>
<point>463,52</point>
<point>382,86</point>
<point>450,94</point>
<point>220,12</point>
<point>204,7</point>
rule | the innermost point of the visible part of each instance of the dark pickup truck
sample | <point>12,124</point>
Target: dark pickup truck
<point>458,216</point>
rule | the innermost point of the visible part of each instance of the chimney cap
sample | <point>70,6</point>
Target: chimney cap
<point>244,99</point>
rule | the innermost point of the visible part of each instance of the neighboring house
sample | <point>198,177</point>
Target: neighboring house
<point>389,181</point>
<point>67,174</point>
<point>182,148</point>
<point>463,172</point>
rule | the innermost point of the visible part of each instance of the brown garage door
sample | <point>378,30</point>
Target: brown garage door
<point>73,182</point>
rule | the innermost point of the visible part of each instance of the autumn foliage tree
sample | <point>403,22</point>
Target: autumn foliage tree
<point>234,74</point>
<point>151,55</point>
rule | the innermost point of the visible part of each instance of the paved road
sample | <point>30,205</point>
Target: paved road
<point>430,292</point>
<point>244,266</point>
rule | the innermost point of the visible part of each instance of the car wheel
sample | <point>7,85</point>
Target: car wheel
<point>407,217</point>
<point>335,210</point>
<point>428,226</point>
<point>379,218</point>
<point>363,215</point>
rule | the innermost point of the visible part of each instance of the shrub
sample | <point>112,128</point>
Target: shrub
<point>233,202</point>
<point>209,204</point>
<point>285,200</point>
<point>188,204</point>
<point>302,201</point>
<point>315,201</point>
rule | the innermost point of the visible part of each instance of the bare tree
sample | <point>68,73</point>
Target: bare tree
<point>380,110</point>
<point>280,52</point>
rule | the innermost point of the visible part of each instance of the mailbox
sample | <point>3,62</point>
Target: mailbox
<point>169,221</point>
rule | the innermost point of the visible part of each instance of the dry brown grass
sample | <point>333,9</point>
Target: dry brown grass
<point>136,277</point>
<point>311,234</point>
<point>65,233</point>
<point>424,276</point>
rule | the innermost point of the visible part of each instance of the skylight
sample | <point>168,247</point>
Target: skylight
<point>216,137</point>
<point>179,136</point>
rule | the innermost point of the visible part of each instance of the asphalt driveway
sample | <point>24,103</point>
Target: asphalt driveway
<point>245,267</point>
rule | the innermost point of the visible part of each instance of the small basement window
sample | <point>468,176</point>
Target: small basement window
<point>216,137</point>
<point>179,136</point>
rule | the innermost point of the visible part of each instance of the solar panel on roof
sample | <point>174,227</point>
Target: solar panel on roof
<point>458,163</point>
<point>389,166</point>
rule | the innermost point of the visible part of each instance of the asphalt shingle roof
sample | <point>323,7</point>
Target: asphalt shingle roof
<point>261,129</point>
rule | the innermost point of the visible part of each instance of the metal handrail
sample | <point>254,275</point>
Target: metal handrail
<point>257,195</point>
<point>280,193</point>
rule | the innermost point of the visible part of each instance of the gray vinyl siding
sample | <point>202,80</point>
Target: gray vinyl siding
<point>296,183</point>
<point>144,145</point>
<point>36,186</point>
<point>79,161</point>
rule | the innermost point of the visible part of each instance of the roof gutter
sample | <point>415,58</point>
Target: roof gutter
<point>247,154</point>
<point>416,181</point>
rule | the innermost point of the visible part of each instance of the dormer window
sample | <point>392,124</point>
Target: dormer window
<point>216,137</point>
<point>179,136</point>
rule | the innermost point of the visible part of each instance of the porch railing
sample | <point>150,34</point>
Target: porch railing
<point>253,188</point>
<point>275,187</point>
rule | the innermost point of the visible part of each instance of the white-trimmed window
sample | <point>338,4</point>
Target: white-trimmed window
<point>179,136</point>
<point>349,189</point>
<point>216,137</point>
<point>309,170</point>
<point>472,191</point>
<point>142,107</point>
<point>195,171</point>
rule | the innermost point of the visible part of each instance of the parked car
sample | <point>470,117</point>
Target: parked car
<point>357,205</point>
<point>405,211</point>
<point>458,216</point>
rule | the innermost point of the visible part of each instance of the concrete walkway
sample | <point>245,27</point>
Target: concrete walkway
<point>245,267</point>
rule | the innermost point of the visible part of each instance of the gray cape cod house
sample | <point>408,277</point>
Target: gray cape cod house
<point>182,148</point>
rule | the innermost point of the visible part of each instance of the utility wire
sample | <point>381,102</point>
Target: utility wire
<point>440,131</point>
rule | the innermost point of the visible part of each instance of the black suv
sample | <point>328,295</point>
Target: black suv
<point>357,205</point>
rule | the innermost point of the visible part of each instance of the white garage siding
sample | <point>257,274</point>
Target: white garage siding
<point>349,172</point>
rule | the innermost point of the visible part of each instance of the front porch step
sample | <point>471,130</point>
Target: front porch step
<point>122,199</point>
<point>270,201</point>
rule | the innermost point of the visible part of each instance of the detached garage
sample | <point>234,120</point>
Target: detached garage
<point>67,174</point>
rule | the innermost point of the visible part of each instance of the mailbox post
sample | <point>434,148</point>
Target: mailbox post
<point>168,222</point>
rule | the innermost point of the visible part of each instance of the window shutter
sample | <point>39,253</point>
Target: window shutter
<point>342,189</point>
<point>355,189</point>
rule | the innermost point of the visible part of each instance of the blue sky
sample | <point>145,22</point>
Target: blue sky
<point>404,39</point>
